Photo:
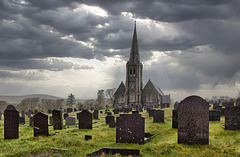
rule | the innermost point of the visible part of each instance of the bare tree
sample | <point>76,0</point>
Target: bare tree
<point>110,95</point>
<point>100,99</point>
<point>59,103</point>
<point>31,103</point>
<point>3,105</point>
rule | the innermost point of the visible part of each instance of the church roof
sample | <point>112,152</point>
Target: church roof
<point>120,89</point>
<point>149,83</point>
<point>134,54</point>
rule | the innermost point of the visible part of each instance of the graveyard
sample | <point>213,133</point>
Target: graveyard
<point>70,140</point>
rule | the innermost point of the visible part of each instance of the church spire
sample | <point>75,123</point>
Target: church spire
<point>134,54</point>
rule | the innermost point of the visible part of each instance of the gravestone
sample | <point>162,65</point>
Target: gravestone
<point>217,108</point>
<point>78,115</point>
<point>135,112</point>
<point>130,128</point>
<point>109,119</point>
<point>23,114</point>
<point>95,114</point>
<point>150,112</point>
<point>11,122</point>
<point>65,115</point>
<point>175,119</point>
<point>57,120</point>
<point>158,116</point>
<point>223,112</point>
<point>193,121</point>
<point>35,111</point>
<point>21,120</point>
<point>112,124</point>
<point>232,118</point>
<point>49,111</point>
<point>214,115</point>
<point>140,109</point>
<point>40,121</point>
<point>116,111</point>
<point>31,121</point>
<point>0,115</point>
<point>85,120</point>
<point>50,120</point>
<point>69,110</point>
<point>176,105</point>
<point>29,113</point>
<point>108,113</point>
<point>238,102</point>
<point>70,121</point>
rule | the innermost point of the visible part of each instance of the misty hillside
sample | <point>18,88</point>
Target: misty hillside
<point>18,99</point>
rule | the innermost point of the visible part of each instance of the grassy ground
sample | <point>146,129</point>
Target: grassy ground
<point>222,143</point>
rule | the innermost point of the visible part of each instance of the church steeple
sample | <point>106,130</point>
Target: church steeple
<point>134,54</point>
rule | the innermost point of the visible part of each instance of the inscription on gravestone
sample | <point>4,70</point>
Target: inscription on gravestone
<point>232,118</point>
<point>130,128</point>
<point>158,116</point>
<point>57,120</point>
<point>85,120</point>
<point>11,120</point>
<point>40,121</point>
<point>193,121</point>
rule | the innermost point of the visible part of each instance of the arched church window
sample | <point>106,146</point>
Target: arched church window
<point>134,71</point>
<point>130,71</point>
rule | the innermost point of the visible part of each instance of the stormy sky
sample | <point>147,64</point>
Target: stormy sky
<point>60,47</point>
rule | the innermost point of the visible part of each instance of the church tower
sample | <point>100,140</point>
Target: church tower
<point>134,75</point>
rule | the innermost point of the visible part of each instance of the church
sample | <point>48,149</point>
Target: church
<point>132,93</point>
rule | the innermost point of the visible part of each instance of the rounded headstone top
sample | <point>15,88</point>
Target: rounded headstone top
<point>10,107</point>
<point>193,99</point>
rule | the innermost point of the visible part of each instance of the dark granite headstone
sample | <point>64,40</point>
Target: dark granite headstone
<point>112,124</point>
<point>223,112</point>
<point>232,118</point>
<point>109,119</point>
<point>31,121</point>
<point>158,116</point>
<point>85,120</point>
<point>69,110</point>
<point>23,114</point>
<point>238,102</point>
<point>40,121</point>
<point>21,120</point>
<point>95,114</point>
<point>11,122</point>
<point>175,119</point>
<point>70,121</point>
<point>88,137</point>
<point>108,113</point>
<point>49,111</point>
<point>214,115</point>
<point>150,112</point>
<point>130,128</point>
<point>193,121</point>
<point>57,120</point>
<point>65,115</point>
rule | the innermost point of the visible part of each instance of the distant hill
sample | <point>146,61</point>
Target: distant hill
<point>18,99</point>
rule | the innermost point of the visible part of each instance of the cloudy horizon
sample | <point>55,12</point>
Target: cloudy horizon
<point>60,47</point>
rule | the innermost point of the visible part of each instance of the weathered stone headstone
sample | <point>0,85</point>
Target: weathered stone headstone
<point>232,118</point>
<point>70,121</point>
<point>175,119</point>
<point>109,119</point>
<point>193,121</point>
<point>158,116</point>
<point>23,114</point>
<point>40,122</point>
<point>238,102</point>
<point>95,114</point>
<point>29,113</point>
<point>57,120</point>
<point>65,115</point>
<point>130,128</point>
<point>85,120</point>
<point>214,115</point>
<point>11,120</point>
<point>150,112</point>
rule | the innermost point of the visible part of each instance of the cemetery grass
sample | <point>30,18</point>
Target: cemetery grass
<point>71,142</point>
